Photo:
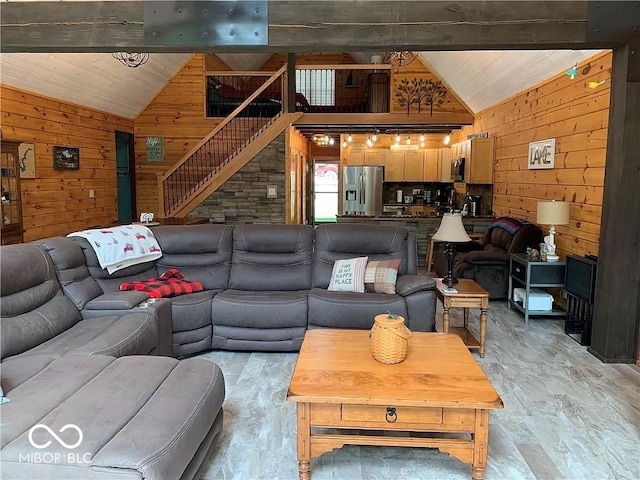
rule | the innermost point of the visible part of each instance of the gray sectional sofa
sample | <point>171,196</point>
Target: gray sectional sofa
<point>134,414</point>
<point>264,284</point>
<point>77,350</point>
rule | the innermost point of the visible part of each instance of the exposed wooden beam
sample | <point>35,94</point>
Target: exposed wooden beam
<point>616,317</point>
<point>386,119</point>
<point>302,25</point>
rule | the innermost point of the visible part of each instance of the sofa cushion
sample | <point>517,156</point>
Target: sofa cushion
<point>348,275</point>
<point>351,310</point>
<point>201,252</point>
<point>343,240</point>
<point>141,417</point>
<point>260,309</point>
<point>130,334</point>
<point>33,308</point>
<point>71,270</point>
<point>380,276</point>
<point>271,257</point>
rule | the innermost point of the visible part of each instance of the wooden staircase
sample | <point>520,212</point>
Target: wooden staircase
<point>224,151</point>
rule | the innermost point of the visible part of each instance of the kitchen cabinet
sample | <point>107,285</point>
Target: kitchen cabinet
<point>394,166</point>
<point>11,208</point>
<point>355,157</point>
<point>444,165</point>
<point>414,166</point>
<point>479,155</point>
<point>373,157</point>
<point>481,160</point>
<point>431,165</point>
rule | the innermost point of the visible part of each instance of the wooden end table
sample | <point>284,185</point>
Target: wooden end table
<point>469,295</point>
<point>438,388</point>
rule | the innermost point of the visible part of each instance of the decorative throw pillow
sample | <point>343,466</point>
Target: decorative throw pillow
<point>348,275</point>
<point>381,276</point>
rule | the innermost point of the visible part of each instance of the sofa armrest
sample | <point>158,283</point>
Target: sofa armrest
<point>486,258</point>
<point>117,301</point>
<point>408,284</point>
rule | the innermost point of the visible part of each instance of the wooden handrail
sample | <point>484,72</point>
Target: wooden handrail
<point>356,66</point>
<point>235,73</point>
<point>228,119</point>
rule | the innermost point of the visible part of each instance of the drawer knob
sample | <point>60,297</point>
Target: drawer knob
<point>391,416</point>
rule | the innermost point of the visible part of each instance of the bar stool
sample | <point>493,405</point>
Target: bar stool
<point>473,236</point>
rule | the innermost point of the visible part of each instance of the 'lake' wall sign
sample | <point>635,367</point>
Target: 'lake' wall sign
<point>542,154</point>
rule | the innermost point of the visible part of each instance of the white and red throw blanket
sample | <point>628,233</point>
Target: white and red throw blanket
<point>169,284</point>
<point>121,247</point>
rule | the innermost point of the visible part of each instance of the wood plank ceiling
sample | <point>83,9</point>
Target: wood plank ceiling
<point>480,78</point>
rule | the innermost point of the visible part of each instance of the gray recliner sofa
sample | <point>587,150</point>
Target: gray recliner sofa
<point>115,409</point>
<point>264,284</point>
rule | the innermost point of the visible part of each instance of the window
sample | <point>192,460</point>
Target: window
<point>318,86</point>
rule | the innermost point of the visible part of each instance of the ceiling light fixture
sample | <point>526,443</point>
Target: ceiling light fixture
<point>400,59</point>
<point>409,140</point>
<point>447,139</point>
<point>374,137</point>
<point>397,139</point>
<point>132,60</point>
<point>322,140</point>
<point>349,138</point>
<point>369,142</point>
<point>422,138</point>
<point>573,71</point>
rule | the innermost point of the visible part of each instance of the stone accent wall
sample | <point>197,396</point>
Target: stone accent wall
<point>243,198</point>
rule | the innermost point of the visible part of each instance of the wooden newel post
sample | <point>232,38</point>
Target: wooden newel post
<point>290,105</point>
<point>160,179</point>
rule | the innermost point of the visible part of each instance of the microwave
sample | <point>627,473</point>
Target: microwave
<point>457,169</point>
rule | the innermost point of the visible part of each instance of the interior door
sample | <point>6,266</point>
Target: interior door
<point>125,177</point>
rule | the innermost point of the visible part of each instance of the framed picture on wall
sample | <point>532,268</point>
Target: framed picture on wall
<point>66,158</point>
<point>27,160</point>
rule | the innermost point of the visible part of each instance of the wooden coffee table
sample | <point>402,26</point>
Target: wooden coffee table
<point>469,295</point>
<point>439,387</point>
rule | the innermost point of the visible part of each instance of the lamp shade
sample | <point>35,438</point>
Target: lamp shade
<point>553,213</point>
<point>451,229</point>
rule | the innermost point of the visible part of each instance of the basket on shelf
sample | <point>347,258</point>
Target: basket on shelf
<point>389,338</point>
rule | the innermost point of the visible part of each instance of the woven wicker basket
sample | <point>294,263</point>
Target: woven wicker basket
<point>389,339</point>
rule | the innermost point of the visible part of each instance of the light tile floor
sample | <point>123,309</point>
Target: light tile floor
<point>566,416</point>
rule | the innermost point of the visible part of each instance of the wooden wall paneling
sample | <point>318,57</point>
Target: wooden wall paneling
<point>577,117</point>
<point>177,114</point>
<point>419,70</point>
<point>57,202</point>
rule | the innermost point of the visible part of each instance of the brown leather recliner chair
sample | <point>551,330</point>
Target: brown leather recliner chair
<point>488,262</point>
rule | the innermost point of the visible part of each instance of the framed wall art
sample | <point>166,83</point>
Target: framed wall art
<point>542,154</point>
<point>155,149</point>
<point>66,158</point>
<point>27,160</point>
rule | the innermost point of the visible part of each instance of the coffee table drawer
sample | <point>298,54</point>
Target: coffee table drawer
<point>390,414</point>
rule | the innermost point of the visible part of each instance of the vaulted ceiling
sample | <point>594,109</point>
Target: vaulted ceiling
<point>479,78</point>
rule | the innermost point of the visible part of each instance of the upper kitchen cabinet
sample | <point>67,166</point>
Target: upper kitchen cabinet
<point>355,157</point>
<point>483,157</point>
<point>414,166</point>
<point>432,165</point>
<point>479,155</point>
<point>394,166</point>
<point>373,157</point>
<point>444,165</point>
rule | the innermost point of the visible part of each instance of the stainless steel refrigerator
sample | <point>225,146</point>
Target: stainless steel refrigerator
<point>362,190</point>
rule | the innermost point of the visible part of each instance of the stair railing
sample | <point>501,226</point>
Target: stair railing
<point>222,144</point>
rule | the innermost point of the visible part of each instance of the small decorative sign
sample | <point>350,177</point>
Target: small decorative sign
<point>542,154</point>
<point>155,149</point>
<point>478,135</point>
<point>27,160</point>
<point>66,158</point>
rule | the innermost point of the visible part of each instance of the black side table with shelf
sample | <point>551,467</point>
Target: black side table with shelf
<point>534,274</point>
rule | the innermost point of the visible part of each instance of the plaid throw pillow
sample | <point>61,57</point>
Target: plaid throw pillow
<point>381,276</point>
<point>348,275</point>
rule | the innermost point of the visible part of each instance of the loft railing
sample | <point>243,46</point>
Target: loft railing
<point>235,132</point>
<point>319,89</point>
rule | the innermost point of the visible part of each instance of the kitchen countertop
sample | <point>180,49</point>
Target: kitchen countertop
<point>412,217</point>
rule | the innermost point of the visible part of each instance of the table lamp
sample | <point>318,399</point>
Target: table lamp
<point>552,213</point>
<point>451,231</point>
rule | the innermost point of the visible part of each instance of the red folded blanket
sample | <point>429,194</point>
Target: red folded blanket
<point>170,284</point>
